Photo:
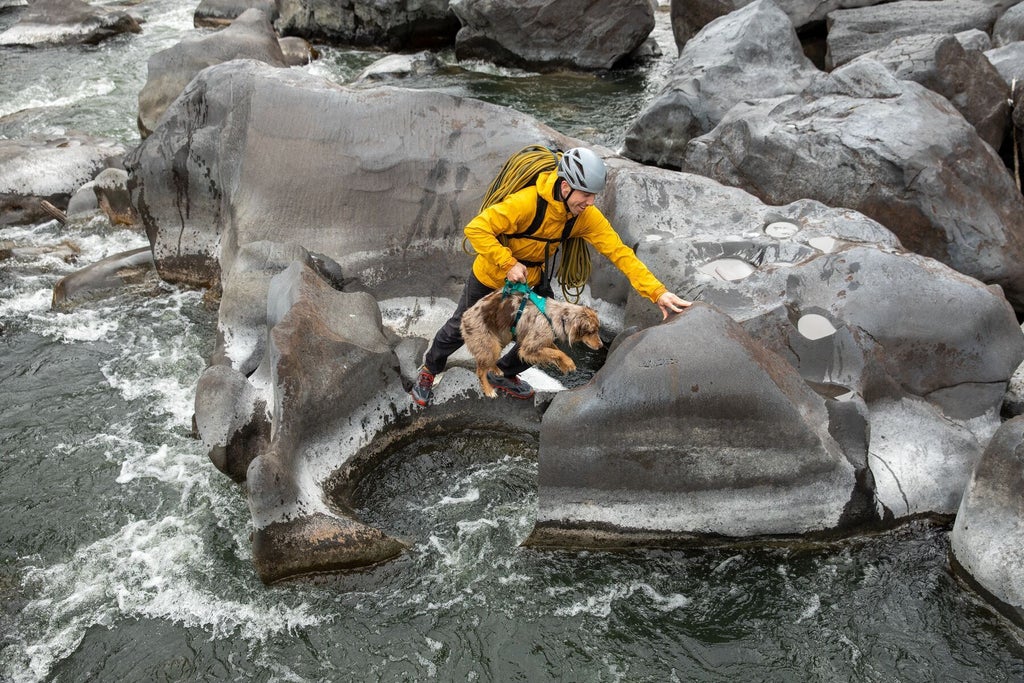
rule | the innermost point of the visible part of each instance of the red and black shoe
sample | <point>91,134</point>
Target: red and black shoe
<point>513,386</point>
<point>423,390</point>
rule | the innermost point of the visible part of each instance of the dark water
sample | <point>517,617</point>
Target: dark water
<point>125,556</point>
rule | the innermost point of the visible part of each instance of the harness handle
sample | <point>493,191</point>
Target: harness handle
<point>540,302</point>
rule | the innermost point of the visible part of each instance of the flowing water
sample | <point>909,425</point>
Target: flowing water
<point>125,556</point>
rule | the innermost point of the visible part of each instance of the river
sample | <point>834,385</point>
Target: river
<point>125,556</point>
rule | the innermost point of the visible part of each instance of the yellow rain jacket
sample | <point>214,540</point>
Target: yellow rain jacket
<point>515,213</point>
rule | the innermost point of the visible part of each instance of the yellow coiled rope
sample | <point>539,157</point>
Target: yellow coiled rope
<point>519,171</point>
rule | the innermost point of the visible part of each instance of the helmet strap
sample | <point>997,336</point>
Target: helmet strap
<point>558,192</point>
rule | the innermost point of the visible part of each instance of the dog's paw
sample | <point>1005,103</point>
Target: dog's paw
<point>568,367</point>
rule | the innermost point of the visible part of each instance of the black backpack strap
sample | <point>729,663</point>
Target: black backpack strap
<point>538,218</point>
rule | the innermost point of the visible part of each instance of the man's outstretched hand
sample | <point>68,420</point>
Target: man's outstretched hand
<point>670,303</point>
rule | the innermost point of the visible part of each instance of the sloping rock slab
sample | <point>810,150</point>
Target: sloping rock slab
<point>751,53</point>
<point>890,149</point>
<point>853,32</point>
<point>964,77</point>
<point>987,542</point>
<point>690,429</point>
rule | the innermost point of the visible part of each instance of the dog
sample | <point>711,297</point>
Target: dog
<point>487,329</point>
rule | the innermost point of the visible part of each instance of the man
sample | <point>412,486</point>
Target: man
<point>569,192</point>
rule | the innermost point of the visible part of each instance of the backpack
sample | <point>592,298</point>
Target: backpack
<point>520,171</point>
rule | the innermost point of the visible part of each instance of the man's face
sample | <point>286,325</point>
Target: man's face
<point>578,199</point>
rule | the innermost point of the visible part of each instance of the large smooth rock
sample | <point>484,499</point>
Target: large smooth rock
<point>546,35</point>
<point>750,53</point>
<point>67,22</point>
<point>380,180</point>
<point>987,542</point>
<point>32,171</point>
<point>393,26</point>
<point>250,36</point>
<point>692,429</point>
<point>853,32</point>
<point>964,77</point>
<point>891,149</point>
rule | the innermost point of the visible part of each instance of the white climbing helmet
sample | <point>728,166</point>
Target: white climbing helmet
<point>582,169</point>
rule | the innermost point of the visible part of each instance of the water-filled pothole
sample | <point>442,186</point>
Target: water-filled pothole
<point>813,326</point>
<point>431,482</point>
<point>727,269</point>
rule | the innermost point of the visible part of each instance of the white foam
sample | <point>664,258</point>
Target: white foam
<point>600,605</point>
<point>813,606</point>
<point>41,94</point>
<point>471,496</point>
<point>26,302</point>
<point>81,325</point>
<point>145,570</point>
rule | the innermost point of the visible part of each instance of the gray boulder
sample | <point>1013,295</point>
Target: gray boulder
<point>853,32</point>
<point>250,151</point>
<point>974,39</point>
<point>1009,27</point>
<point>399,66</point>
<point>297,51</point>
<point>103,277</point>
<point>393,26</point>
<point>67,22</point>
<point>232,419</point>
<point>250,36</point>
<point>690,16</point>
<point>220,13</point>
<point>33,171</point>
<point>964,77</point>
<point>987,542</point>
<point>242,315</point>
<point>546,35</point>
<point>1008,61</point>
<point>750,53</point>
<point>693,429</point>
<point>891,149</point>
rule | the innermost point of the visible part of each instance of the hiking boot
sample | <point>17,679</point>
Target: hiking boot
<point>423,391</point>
<point>513,386</point>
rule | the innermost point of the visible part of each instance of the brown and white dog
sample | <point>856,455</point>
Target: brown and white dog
<point>487,329</point>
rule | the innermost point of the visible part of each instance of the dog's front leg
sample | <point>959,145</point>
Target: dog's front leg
<point>548,355</point>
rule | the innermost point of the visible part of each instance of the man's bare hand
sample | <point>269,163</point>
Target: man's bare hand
<point>670,303</point>
<point>516,273</point>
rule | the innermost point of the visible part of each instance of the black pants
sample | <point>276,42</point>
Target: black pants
<point>448,339</point>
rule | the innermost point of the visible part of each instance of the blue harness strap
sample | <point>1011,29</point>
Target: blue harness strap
<point>540,302</point>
